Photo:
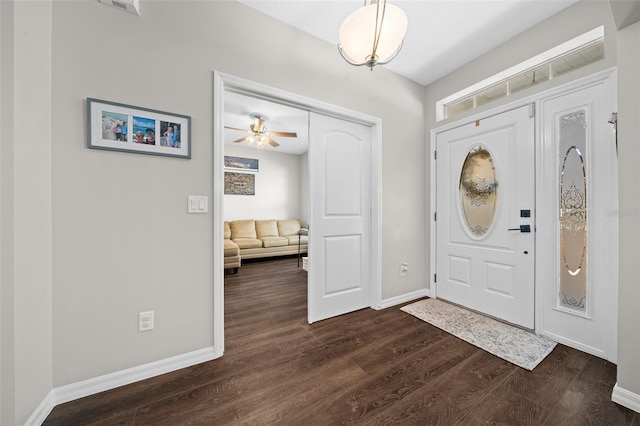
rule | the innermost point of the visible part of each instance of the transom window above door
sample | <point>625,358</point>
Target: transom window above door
<point>569,56</point>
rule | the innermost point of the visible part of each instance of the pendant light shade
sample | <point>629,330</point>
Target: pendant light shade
<point>373,34</point>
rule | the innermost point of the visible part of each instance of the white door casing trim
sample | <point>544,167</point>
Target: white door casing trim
<point>221,83</point>
<point>536,99</point>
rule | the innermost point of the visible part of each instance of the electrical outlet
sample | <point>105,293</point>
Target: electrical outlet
<point>403,269</point>
<point>145,321</point>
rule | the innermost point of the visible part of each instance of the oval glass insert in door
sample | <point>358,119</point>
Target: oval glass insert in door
<point>478,191</point>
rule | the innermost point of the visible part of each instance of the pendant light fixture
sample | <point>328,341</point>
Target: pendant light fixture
<point>373,34</point>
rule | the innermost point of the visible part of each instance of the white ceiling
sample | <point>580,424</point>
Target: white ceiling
<point>443,35</point>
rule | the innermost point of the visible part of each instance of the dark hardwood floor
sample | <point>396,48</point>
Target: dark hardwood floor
<point>368,367</point>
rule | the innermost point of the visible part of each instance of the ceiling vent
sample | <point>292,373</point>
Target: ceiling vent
<point>131,6</point>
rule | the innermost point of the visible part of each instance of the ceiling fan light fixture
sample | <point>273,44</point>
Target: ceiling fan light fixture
<point>372,35</point>
<point>260,143</point>
<point>260,134</point>
<point>259,125</point>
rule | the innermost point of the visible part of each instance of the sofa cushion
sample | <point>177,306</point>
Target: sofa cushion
<point>293,239</point>
<point>266,228</point>
<point>230,248</point>
<point>288,227</point>
<point>274,241</point>
<point>232,262</point>
<point>245,243</point>
<point>227,231</point>
<point>243,229</point>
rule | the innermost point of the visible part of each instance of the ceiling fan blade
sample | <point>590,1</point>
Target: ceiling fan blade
<point>243,139</point>
<point>283,134</point>
<point>235,128</point>
<point>273,143</point>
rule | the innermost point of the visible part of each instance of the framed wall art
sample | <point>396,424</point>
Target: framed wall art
<point>239,183</point>
<point>239,163</point>
<point>118,127</point>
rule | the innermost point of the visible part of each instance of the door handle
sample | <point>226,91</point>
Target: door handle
<point>522,228</point>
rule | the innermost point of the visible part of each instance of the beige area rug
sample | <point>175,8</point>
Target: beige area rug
<point>512,344</point>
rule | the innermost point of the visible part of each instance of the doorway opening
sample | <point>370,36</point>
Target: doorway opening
<point>223,84</point>
<point>266,171</point>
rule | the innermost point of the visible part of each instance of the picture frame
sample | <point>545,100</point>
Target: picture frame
<point>118,127</point>
<point>239,183</point>
<point>240,163</point>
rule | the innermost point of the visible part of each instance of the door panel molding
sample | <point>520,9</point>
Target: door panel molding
<point>340,198</point>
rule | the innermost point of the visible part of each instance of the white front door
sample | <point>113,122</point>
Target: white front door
<point>579,214</point>
<point>339,234</point>
<point>485,221</point>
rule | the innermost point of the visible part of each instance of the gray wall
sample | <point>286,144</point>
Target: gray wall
<point>629,155</point>
<point>91,238</point>
<point>122,240</point>
<point>25,209</point>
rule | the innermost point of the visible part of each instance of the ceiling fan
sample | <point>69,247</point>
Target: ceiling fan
<point>260,134</point>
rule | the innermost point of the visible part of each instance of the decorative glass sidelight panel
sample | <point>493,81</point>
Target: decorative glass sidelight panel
<point>572,292</point>
<point>478,191</point>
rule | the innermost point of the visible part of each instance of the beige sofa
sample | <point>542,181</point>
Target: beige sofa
<point>231,250</point>
<point>261,238</point>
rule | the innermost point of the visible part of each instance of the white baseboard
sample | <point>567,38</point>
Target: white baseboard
<point>78,390</point>
<point>626,398</point>
<point>407,297</point>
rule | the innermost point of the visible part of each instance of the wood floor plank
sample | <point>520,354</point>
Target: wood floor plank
<point>551,378</point>
<point>409,338</point>
<point>384,392</point>
<point>587,400</point>
<point>506,408</point>
<point>447,398</point>
<point>369,367</point>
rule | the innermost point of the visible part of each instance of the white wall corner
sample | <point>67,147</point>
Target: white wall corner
<point>626,398</point>
<point>42,411</point>
<point>88,387</point>
<point>403,298</point>
<point>625,13</point>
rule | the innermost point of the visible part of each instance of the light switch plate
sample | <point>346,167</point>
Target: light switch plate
<point>197,204</point>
